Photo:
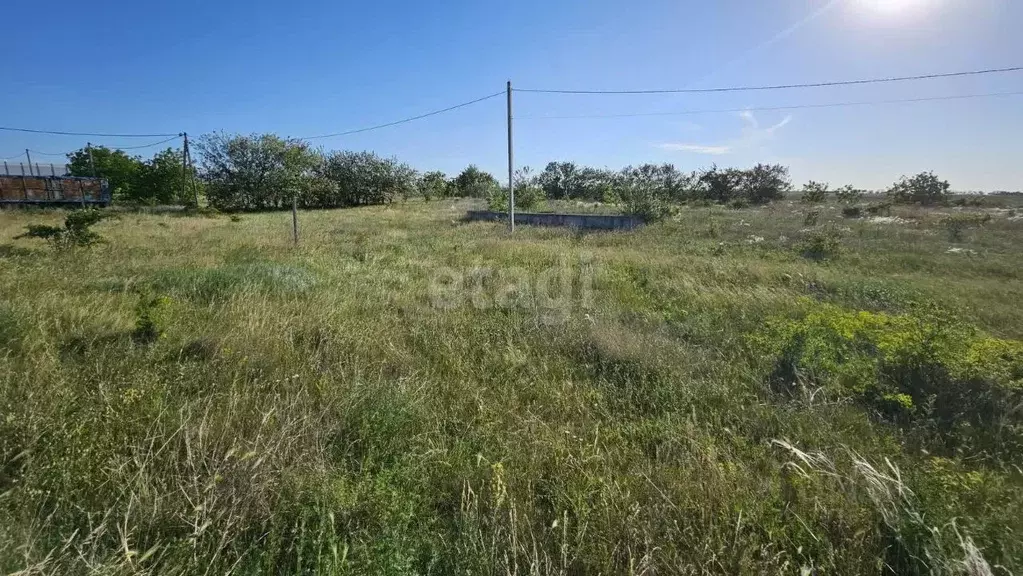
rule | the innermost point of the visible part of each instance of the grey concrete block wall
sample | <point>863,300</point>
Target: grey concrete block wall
<point>586,221</point>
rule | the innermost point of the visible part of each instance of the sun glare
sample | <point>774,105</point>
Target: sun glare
<point>894,7</point>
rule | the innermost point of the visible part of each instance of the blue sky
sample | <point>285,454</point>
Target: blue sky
<point>307,68</point>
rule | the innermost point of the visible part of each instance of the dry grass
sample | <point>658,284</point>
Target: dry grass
<point>310,409</point>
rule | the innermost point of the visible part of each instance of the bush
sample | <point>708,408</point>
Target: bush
<point>848,194</point>
<point>924,188</point>
<point>852,212</point>
<point>433,185</point>
<point>957,388</point>
<point>721,186</point>
<point>76,232</point>
<point>475,183</point>
<point>956,224</point>
<point>360,179</point>
<point>814,192</point>
<point>765,183</point>
<point>821,244</point>
<point>644,202</point>
<point>151,318</point>
<point>526,198</point>
<point>811,218</point>
<point>879,209</point>
<point>738,204</point>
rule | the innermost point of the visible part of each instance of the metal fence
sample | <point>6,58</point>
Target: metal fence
<point>34,169</point>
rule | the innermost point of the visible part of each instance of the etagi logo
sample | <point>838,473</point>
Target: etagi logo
<point>553,292</point>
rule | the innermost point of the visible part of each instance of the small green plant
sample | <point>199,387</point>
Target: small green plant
<point>739,204</point>
<point>821,244</point>
<point>814,192</point>
<point>927,371</point>
<point>959,223</point>
<point>76,232</point>
<point>852,212</point>
<point>811,217</point>
<point>151,318</point>
<point>236,218</point>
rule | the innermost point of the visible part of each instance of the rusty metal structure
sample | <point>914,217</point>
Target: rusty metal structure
<point>53,190</point>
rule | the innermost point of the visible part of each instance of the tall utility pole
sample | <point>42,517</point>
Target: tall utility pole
<point>511,182</point>
<point>186,171</point>
<point>30,173</point>
<point>92,163</point>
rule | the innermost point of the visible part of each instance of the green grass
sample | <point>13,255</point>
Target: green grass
<point>312,409</point>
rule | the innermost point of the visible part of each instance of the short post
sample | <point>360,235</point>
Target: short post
<point>511,183</point>
<point>7,171</point>
<point>29,156</point>
<point>294,217</point>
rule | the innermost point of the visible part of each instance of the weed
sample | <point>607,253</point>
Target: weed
<point>151,319</point>
<point>821,244</point>
<point>76,232</point>
<point>811,217</point>
<point>852,212</point>
<point>956,224</point>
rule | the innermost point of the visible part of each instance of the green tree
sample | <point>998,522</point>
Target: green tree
<point>119,169</point>
<point>475,183</point>
<point>163,180</point>
<point>924,188</point>
<point>363,178</point>
<point>814,192</point>
<point>260,171</point>
<point>433,185</point>
<point>765,182</point>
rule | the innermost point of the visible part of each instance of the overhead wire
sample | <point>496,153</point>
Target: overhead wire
<point>405,120</point>
<point>774,108</point>
<point>95,134</point>
<point>782,86</point>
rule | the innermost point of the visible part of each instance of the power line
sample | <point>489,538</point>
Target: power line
<point>782,86</point>
<point>41,153</point>
<point>98,135</point>
<point>773,108</point>
<point>404,120</point>
<point>12,157</point>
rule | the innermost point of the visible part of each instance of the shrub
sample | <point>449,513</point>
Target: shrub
<point>879,208</point>
<point>433,185</point>
<point>526,198</point>
<point>765,183</point>
<point>811,218</point>
<point>956,224</point>
<point>958,389</point>
<point>361,178</point>
<point>814,192</point>
<point>852,212</point>
<point>848,194</point>
<point>76,232</point>
<point>151,318</point>
<point>644,202</point>
<point>738,204</point>
<point>475,183</point>
<point>721,186</point>
<point>821,244</point>
<point>924,188</point>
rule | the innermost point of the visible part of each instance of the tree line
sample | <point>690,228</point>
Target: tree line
<point>265,172</point>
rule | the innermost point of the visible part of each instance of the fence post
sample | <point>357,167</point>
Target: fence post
<point>29,156</point>
<point>511,182</point>
<point>294,217</point>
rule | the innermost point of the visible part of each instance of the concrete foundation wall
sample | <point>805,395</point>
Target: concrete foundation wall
<point>587,221</point>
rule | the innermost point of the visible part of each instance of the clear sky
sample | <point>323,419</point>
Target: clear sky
<point>313,67</point>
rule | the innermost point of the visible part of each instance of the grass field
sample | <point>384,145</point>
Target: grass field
<point>406,393</point>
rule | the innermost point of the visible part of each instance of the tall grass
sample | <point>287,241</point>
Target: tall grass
<point>310,410</point>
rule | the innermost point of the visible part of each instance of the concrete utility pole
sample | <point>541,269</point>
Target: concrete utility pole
<point>92,163</point>
<point>29,156</point>
<point>511,182</point>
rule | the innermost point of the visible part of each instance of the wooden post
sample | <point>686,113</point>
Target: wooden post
<point>294,217</point>
<point>92,164</point>
<point>511,183</point>
<point>29,156</point>
<point>24,186</point>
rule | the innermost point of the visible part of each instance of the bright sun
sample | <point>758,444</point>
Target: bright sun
<point>894,7</point>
